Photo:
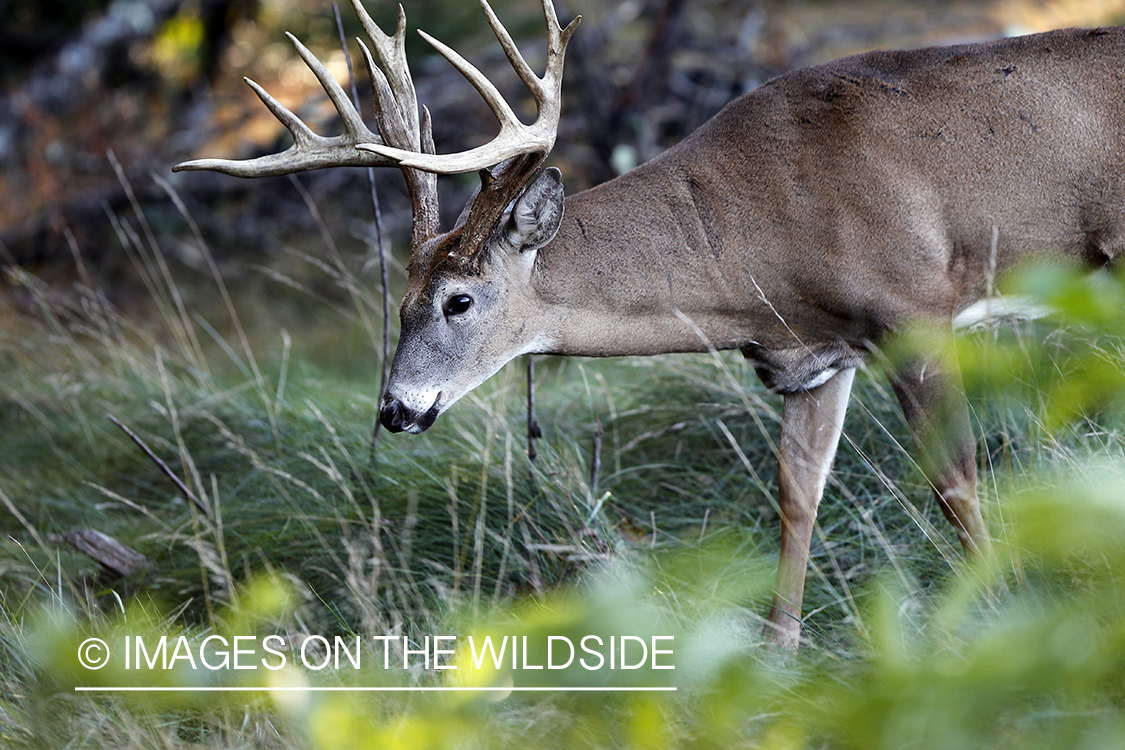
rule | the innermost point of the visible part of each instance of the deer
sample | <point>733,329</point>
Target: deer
<point>805,224</point>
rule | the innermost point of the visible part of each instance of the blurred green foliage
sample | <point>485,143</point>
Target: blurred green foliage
<point>1077,369</point>
<point>176,47</point>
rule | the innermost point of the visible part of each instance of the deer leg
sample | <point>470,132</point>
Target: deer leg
<point>810,431</point>
<point>938,415</point>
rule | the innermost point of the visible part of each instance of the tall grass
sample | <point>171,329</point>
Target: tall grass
<point>292,529</point>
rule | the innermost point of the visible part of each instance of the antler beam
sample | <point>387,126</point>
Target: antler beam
<point>396,109</point>
<point>309,150</point>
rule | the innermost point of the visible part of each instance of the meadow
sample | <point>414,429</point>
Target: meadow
<point>240,465</point>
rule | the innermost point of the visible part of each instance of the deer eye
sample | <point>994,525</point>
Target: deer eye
<point>458,304</point>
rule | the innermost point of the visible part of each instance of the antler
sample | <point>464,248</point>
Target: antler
<point>396,115</point>
<point>514,138</point>
<point>309,150</point>
<point>406,141</point>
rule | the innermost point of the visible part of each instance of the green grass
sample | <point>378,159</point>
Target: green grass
<point>298,531</point>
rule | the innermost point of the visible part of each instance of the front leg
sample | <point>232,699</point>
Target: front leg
<point>810,431</point>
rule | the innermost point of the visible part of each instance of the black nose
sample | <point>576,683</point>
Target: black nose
<point>394,415</point>
<point>398,417</point>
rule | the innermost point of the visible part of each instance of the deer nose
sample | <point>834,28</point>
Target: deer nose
<point>398,417</point>
<point>394,415</point>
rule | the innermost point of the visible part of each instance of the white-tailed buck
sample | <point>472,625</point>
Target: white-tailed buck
<point>802,225</point>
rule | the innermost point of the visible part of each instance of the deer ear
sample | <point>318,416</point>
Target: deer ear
<point>537,213</point>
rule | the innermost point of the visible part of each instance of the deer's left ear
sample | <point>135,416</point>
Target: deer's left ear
<point>537,213</point>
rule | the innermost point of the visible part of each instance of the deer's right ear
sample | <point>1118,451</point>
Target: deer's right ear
<point>537,213</point>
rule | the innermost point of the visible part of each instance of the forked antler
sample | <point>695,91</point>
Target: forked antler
<point>396,115</point>
<point>514,138</point>
<point>404,139</point>
<point>313,151</point>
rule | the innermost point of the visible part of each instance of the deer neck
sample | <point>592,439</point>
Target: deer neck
<point>629,277</point>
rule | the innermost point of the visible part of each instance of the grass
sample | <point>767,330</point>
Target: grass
<point>296,531</point>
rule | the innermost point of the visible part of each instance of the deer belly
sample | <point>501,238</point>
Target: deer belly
<point>800,369</point>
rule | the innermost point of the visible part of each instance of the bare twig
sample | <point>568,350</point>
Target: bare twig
<point>596,460</point>
<point>386,358</point>
<point>533,430</point>
<point>380,241</point>
<point>160,463</point>
<point>651,73</point>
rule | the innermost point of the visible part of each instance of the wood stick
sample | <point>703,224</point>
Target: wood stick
<point>163,466</point>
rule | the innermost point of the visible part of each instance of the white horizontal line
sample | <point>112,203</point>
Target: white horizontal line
<point>324,689</point>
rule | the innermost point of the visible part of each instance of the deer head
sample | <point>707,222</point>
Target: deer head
<point>469,302</point>
<point>468,293</point>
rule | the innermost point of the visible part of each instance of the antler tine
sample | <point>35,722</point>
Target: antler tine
<point>353,123</point>
<point>514,138</point>
<point>492,97</point>
<point>390,52</point>
<point>557,40</point>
